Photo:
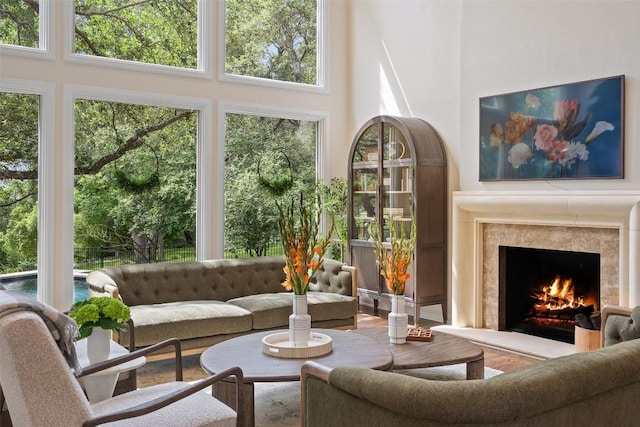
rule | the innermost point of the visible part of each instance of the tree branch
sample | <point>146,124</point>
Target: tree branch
<point>130,144</point>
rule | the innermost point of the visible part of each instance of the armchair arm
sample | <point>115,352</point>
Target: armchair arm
<point>611,310</point>
<point>310,369</point>
<point>354,278</point>
<point>354,289</point>
<point>92,369</point>
<point>170,398</point>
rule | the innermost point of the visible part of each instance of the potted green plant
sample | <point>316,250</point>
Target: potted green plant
<point>97,318</point>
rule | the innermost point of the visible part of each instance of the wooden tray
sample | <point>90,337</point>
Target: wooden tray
<point>278,345</point>
<point>418,334</point>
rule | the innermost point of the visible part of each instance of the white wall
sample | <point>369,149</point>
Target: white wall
<point>405,61</point>
<point>510,46</point>
<point>435,59</point>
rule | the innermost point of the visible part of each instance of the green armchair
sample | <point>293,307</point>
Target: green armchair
<point>583,389</point>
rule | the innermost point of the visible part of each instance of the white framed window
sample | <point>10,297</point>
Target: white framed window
<point>26,29</point>
<point>182,109</point>
<point>165,37</point>
<point>269,154</point>
<point>282,46</point>
<point>47,266</point>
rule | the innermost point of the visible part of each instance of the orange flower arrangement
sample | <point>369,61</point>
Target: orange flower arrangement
<point>304,248</point>
<point>394,262</point>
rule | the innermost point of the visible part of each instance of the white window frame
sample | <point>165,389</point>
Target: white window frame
<point>46,38</point>
<point>49,271</point>
<point>322,62</point>
<point>204,148</point>
<point>224,108</point>
<point>204,67</point>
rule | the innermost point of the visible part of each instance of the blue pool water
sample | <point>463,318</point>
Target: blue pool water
<point>27,284</point>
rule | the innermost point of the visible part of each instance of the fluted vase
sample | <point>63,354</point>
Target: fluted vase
<point>398,320</point>
<point>300,322</point>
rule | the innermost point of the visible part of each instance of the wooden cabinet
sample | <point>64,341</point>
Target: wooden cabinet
<point>398,166</point>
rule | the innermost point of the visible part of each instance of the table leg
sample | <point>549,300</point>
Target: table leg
<point>475,369</point>
<point>99,387</point>
<point>225,391</point>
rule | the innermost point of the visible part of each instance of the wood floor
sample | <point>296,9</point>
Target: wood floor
<point>163,370</point>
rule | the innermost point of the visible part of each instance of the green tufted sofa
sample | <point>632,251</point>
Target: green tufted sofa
<point>597,388</point>
<point>202,303</point>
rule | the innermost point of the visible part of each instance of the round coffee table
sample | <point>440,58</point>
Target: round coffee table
<point>349,349</point>
<point>442,350</point>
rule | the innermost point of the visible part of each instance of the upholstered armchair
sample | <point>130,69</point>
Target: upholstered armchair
<point>41,389</point>
<point>619,324</point>
<point>594,388</point>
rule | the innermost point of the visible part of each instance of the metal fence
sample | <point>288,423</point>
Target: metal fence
<point>99,257</point>
<point>94,258</point>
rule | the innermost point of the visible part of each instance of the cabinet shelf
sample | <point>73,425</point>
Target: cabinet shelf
<point>412,187</point>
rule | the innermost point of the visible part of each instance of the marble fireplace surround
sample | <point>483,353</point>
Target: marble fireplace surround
<point>605,222</point>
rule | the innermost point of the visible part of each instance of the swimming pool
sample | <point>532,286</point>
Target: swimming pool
<point>28,285</point>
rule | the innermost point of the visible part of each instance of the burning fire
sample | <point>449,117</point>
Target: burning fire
<point>558,295</point>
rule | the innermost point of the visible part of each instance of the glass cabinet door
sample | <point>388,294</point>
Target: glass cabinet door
<point>365,183</point>
<point>397,182</point>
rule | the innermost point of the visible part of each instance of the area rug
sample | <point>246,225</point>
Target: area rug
<point>278,404</point>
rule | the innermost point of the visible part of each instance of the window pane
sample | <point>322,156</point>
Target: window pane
<point>271,149</point>
<point>161,32</point>
<point>19,189</point>
<point>19,23</point>
<point>272,39</point>
<point>135,170</point>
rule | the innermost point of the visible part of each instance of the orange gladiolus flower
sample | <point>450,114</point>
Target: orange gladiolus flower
<point>303,248</point>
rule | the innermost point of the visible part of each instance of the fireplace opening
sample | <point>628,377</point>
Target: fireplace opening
<point>541,290</point>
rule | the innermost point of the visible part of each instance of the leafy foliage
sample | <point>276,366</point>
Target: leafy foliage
<point>152,31</point>
<point>250,211</point>
<point>272,39</point>
<point>19,23</point>
<point>99,312</point>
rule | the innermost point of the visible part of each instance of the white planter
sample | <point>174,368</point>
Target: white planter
<point>98,345</point>
<point>300,322</point>
<point>398,320</point>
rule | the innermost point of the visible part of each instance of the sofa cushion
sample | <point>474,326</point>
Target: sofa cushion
<point>273,310</point>
<point>187,319</point>
<point>269,310</point>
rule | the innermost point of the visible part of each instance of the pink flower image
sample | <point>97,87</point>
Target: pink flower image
<point>557,151</point>
<point>544,136</point>
<point>566,110</point>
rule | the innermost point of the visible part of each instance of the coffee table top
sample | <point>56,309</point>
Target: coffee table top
<point>245,351</point>
<point>443,349</point>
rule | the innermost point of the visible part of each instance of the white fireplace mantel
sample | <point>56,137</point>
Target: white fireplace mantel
<point>607,209</point>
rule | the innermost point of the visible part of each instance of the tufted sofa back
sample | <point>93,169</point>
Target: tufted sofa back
<point>331,278</point>
<point>141,284</point>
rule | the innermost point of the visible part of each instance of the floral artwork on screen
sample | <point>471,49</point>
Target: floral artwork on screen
<point>572,131</point>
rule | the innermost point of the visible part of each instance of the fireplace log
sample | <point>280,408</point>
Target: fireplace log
<point>583,321</point>
<point>565,313</point>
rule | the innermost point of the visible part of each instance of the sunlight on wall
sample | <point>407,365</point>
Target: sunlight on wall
<point>393,100</point>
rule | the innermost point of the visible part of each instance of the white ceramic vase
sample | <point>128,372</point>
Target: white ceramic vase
<point>398,320</point>
<point>98,345</point>
<point>299,322</point>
